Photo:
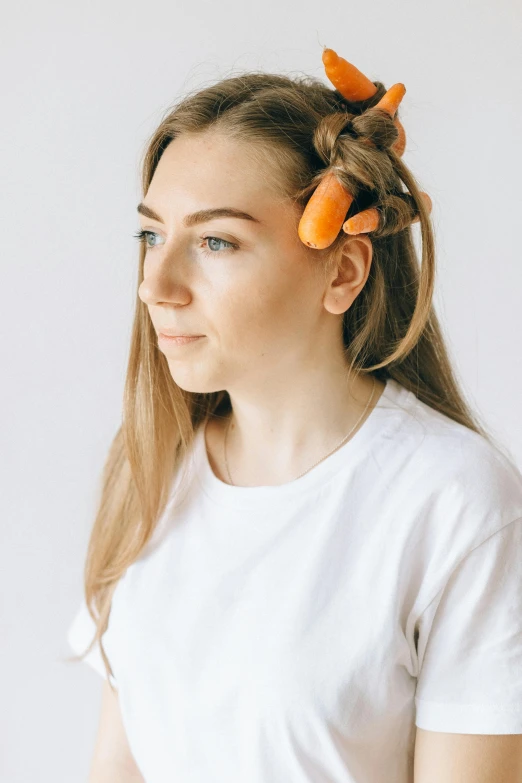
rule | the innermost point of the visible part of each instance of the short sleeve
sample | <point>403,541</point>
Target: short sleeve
<point>80,635</point>
<point>470,643</point>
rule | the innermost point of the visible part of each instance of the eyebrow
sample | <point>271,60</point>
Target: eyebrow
<point>202,216</point>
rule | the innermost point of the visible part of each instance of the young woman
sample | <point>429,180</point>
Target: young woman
<point>308,546</point>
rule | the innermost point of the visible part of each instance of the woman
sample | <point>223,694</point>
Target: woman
<point>308,545</point>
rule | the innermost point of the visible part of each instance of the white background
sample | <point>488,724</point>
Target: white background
<point>83,87</point>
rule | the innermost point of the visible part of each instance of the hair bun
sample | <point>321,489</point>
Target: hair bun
<point>377,126</point>
<point>328,132</point>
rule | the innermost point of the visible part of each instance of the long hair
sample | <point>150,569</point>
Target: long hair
<point>391,329</point>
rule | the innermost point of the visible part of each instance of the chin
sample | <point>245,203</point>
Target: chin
<point>189,382</point>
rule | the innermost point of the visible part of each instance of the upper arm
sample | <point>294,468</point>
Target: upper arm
<point>467,758</point>
<point>469,645</point>
<point>112,758</point>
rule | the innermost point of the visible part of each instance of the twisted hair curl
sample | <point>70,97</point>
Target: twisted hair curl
<point>359,148</point>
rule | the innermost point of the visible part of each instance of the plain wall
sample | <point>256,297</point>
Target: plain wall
<point>83,87</point>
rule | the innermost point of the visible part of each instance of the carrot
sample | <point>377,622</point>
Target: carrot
<point>363,222</point>
<point>391,99</point>
<point>355,86</point>
<point>346,78</point>
<point>368,220</point>
<point>324,213</point>
<point>326,209</point>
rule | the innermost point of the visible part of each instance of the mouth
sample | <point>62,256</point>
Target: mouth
<point>168,339</point>
<point>170,333</point>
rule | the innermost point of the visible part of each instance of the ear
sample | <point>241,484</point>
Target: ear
<point>349,274</point>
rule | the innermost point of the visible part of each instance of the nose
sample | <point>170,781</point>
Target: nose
<point>164,280</point>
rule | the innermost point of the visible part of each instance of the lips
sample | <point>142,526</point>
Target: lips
<point>168,333</point>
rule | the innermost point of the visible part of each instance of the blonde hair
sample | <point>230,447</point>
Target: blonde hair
<point>391,330</point>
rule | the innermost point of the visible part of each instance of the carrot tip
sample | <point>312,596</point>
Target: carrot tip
<point>329,56</point>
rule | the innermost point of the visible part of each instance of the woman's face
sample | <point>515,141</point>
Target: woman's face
<point>249,286</point>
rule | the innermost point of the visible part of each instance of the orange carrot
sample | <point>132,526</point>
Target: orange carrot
<point>368,220</point>
<point>346,78</point>
<point>362,222</point>
<point>326,209</point>
<point>355,86</point>
<point>391,99</point>
<point>324,213</point>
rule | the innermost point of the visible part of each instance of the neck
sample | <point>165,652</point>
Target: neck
<point>273,445</point>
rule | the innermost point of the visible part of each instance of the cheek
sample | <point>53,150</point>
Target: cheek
<point>261,317</point>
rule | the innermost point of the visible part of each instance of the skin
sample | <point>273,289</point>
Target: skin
<point>271,324</point>
<point>467,758</point>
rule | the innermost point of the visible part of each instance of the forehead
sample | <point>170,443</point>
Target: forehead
<point>203,169</point>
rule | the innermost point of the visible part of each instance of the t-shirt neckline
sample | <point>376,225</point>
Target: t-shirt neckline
<point>384,418</point>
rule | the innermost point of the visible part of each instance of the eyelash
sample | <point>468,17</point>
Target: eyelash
<point>141,236</point>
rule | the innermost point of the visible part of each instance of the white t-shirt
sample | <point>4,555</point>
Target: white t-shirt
<point>299,633</point>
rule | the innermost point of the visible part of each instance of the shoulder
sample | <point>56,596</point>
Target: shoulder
<point>453,502</point>
<point>450,455</point>
<point>457,484</point>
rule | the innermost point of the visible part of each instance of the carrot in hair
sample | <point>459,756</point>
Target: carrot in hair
<point>390,102</point>
<point>346,78</point>
<point>326,209</point>
<point>355,86</point>
<point>391,99</point>
<point>363,222</point>
<point>324,213</point>
<point>368,220</point>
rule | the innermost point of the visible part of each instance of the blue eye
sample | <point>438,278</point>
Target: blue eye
<point>231,245</point>
<point>143,236</point>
